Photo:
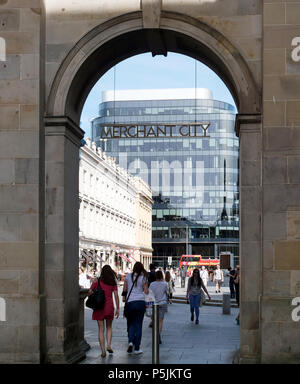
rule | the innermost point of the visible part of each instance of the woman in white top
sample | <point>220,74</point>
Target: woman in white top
<point>135,286</point>
<point>160,288</point>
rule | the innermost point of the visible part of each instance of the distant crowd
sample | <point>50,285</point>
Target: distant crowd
<point>140,290</point>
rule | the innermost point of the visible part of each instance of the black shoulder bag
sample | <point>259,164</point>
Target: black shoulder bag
<point>126,312</point>
<point>97,299</point>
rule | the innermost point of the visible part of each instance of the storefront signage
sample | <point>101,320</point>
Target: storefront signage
<point>156,130</point>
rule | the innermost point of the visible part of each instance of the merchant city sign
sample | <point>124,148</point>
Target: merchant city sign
<point>156,130</point>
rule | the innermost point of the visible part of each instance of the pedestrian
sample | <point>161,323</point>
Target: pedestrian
<point>204,275</point>
<point>84,282</point>
<point>135,286</point>
<point>236,281</point>
<point>108,283</point>
<point>218,278</point>
<point>151,278</point>
<point>193,293</point>
<point>183,276</point>
<point>231,273</point>
<point>160,288</point>
<point>151,274</point>
<point>119,275</point>
<point>171,285</point>
<point>173,275</point>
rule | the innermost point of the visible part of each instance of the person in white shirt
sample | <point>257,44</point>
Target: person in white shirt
<point>173,275</point>
<point>218,278</point>
<point>84,280</point>
<point>160,289</point>
<point>204,275</point>
<point>135,287</point>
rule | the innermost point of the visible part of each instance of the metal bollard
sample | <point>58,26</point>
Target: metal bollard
<point>226,304</point>
<point>155,334</point>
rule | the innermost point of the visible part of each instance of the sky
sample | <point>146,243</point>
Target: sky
<point>147,72</point>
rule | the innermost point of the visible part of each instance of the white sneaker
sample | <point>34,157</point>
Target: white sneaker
<point>138,352</point>
<point>130,348</point>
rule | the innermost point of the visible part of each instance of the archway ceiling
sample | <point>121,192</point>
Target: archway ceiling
<point>158,42</point>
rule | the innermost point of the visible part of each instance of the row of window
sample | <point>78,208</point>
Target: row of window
<point>195,233</point>
<point>102,191</point>
<point>199,216</point>
<point>179,111</point>
<point>220,105</point>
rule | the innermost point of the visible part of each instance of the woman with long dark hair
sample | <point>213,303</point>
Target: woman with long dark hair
<point>135,287</point>
<point>108,282</point>
<point>193,293</point>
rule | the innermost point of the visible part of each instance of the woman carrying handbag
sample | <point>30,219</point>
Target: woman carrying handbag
<point>135,288</point>
<point>108,283</point>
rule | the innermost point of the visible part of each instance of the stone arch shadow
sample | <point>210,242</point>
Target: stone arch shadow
<point>98,51</point>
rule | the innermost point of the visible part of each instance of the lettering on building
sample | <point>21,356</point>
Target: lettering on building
<point>157,130</point>
<point>296,311</point>
<point>296,51</point>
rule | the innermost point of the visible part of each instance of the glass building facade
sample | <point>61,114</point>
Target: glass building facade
<point>193,172</point>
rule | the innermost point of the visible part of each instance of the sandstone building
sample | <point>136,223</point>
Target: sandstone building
<point>55,52</point>
<point>112,213</point>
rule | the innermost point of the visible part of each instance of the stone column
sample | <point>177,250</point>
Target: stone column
<point>249,130</point>
<point>62,240</point>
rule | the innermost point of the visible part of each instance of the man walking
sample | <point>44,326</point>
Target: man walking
<point>183,276</point>
<point>204,275</point>
<point>151,275</point>
<point>218,278</point>
<point>231,273</point>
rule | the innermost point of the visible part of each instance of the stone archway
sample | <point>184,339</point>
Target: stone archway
<point>93,55</point>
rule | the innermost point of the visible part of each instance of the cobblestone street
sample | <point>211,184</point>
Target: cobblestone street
<point>214,341</point>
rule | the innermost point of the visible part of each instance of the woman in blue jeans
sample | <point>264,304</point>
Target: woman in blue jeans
<point>193,292</point>
<point>137,280</point>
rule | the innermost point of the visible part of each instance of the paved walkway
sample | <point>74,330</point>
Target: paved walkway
<point>214,341</point>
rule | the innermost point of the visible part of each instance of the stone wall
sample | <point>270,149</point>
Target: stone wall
<point>280,336</point>
<point>239,20</point>
<point>20,181</point>
<point>34,180</point>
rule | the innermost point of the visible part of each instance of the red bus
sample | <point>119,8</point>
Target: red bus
<point>196,261</point>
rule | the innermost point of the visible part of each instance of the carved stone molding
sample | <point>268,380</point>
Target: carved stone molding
<point>63,125</point>
<point>247,122</point>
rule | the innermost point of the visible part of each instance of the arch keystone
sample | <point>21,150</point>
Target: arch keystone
<point>151,10</point>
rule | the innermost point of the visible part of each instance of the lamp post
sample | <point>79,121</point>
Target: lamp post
<point>186,240</point>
